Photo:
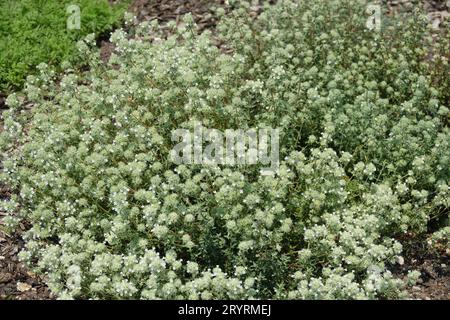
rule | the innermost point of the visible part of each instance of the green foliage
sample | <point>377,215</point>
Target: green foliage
<point>364,143</point>
<point>34,31</point>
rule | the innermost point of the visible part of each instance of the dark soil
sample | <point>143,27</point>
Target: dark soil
<point>16,282</point>
<point>433,263</point>
<point>168,10</point>
<point>2,101</point>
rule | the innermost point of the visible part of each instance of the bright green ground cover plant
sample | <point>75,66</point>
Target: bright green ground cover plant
<point>35,31</point>
<point>364,143</point>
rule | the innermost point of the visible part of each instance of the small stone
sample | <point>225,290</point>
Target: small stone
<point>31,274</point>
<point>2,258</point>
<point>22,287</point>
<point>401,260</point>
<point>5,277</point>
<point>416,288</point>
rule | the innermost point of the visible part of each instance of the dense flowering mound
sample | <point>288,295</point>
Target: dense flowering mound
<point>364,149</point>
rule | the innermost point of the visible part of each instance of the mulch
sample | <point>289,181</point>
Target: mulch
<point>433,263</point>
<point>169,10</point>
<point>2,100</point>
<point>16,282</point>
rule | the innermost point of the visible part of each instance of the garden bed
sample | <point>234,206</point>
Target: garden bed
<point>17,282</point>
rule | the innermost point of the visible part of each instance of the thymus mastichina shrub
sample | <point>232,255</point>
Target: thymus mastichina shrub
<point>364,149</point>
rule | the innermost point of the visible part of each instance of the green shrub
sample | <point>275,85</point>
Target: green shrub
<point>35,31</point>
<point>363,137</point>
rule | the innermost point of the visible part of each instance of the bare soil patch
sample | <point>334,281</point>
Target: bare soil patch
<point>16,282</point>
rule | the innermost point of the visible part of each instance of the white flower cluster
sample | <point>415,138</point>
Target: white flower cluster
<point>364,134</point>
